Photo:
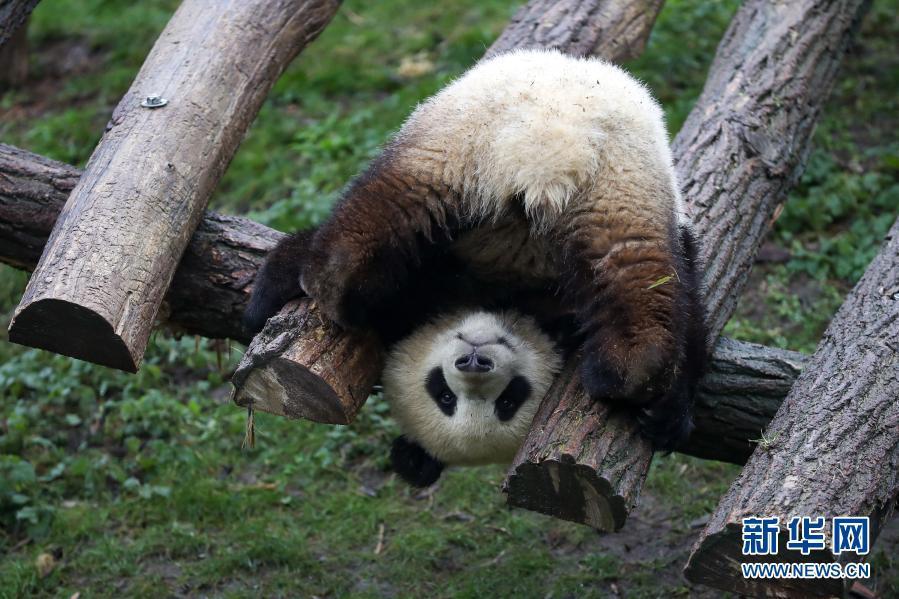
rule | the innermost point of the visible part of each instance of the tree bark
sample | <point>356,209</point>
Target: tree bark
<point>332,385</point>
<point>742,389</point>
<point>113,252</point>
<point>14,58</point>
<point>833,447</point>
<point>564,25</point>
<point>739,395</point>
<point>13,14</point>
<point>740,150</point>
<point>614,29</point>
<point>212,284</point>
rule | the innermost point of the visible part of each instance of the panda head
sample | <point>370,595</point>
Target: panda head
<point>464,389</point>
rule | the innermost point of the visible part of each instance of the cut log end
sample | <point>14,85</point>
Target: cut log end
<point>583,461</point>
<point>568,491</point>
<point>291,390</point>
<point>302,366</point>
<point>72,330</point>
<point>716,563</point>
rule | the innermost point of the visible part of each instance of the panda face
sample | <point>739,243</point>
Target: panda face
<point>466,386</point>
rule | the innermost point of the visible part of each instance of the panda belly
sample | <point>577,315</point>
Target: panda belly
<point>508,253</point>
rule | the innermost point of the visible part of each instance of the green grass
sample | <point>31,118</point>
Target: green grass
<point>136,485</point>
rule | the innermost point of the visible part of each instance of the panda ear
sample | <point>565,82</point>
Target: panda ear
<point>414,465</point>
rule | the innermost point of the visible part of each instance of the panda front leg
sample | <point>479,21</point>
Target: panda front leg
<point>380,234</point>
<point>627,269</point>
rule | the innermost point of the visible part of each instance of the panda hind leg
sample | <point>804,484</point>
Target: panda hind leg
<point>640,314</point>
<point>668,421</point>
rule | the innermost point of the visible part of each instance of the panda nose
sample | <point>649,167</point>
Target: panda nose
<point>474,362</point>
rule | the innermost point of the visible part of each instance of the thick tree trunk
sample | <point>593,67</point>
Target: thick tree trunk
<point>739,395</point>
<point>741,148</point>
<point>563,25</point>
<point>13,14</point>
<point>745,143</point>
<point>111,257</point>
<point>614,29</point>
<point>833,447</point>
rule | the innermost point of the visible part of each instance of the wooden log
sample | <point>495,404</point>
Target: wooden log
<point>614,29</point>
<point>741,148</point>
<point>737,398</point>
<point>211,287</point>
<point>742,389</point>
<point>833,446</point>
<point>582,461</point>
<point>112,254</point>
<point>337,373</point>
<point>13,15</point>
<point>14,58</point>
<point>569,20</point>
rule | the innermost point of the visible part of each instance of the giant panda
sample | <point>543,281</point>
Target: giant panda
<point>532,199</point>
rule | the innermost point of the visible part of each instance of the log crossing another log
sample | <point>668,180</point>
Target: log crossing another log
<point>739,395</point>
<point>569,23</point>
<point>741,148</point>
<point>833,447</point>
<point>112,255</point>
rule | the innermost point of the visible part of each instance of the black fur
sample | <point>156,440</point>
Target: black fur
<point>414,465</point>
<point>668,422</point>
<point>513,396</point>
<point>440,392</point>
<point>277,281</point>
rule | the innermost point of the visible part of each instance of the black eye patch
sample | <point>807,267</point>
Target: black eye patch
<point>440,391</point>
<point>516,393</point>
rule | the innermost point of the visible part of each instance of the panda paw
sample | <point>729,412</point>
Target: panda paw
<point>414,465</point>
<point>630,371</point>
<point>664,429</point>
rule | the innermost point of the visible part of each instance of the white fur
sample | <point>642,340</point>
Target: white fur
<point>554,131</point>
<point>544,125</point>
<point>473,434</point>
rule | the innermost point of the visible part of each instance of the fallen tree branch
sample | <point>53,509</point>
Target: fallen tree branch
<point>832,449</point>
<point>104,272</point>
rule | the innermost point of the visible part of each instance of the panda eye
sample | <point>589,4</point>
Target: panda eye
<point>515,394</point>
<point>439,390</point>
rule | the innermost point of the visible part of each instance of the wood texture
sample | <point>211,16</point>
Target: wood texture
<point>335,375</point>
<point>741,148</point>
<point>614,29</point>
<point>14,59</point>
<point>834,443</point>
<point>212,283</point>
<point>13,14</point>
<point>744,144</point>
<point>563,25</point>
<point>739,395</point>
<point>113,252</point>
<point>742,389</point>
